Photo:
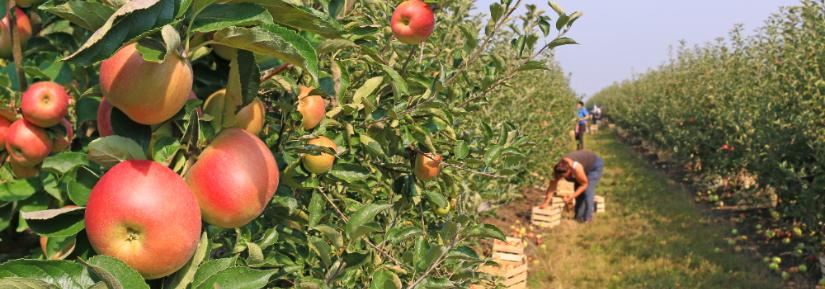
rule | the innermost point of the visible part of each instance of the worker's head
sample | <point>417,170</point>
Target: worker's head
<point>579,104</point>
<point>562,170</point>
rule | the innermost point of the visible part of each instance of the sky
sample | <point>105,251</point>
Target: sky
<point>620,38</point>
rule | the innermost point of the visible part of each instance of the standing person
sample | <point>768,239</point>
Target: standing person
<point>581,125</point>
<point>584,169</point>
<point>597,114</point>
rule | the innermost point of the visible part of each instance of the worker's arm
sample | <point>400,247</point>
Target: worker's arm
<point>551,191</point>
<point>581,178</point>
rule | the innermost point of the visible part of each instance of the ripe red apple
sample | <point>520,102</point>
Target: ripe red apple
<point>21,171</point>
<point>311,107</point>
<point>251,117</point>
<point>149,93</point>
<point>322,163</point>
<point>27,144</point>
<point>104,118</point>
<point>234,178</point>
<point>23,26</point>
<point>4,127</point>
<point>45,103</point>
<point>412,22</point>
<point>143,214</point>
<point>427,166</point>
<point>63,141</point>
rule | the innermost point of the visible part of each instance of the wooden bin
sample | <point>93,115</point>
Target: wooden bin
<point>512,275</point>
<point>548,217</point>
<point>594,128</point>
<point>511,250</point>
<point>565,188</point>
<point>600,206</point>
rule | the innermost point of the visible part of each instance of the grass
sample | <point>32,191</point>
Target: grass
<point>652,236</point>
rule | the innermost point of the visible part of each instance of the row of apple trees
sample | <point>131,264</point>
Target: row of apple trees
<point>269,143</point>
<point>747,112</point>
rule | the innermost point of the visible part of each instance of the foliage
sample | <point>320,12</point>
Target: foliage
<point>368,221</point>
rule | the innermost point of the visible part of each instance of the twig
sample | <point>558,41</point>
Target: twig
<point>17,47</point>
<point>274,71</point>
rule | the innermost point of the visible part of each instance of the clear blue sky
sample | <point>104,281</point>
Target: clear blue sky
<point>619,38</point>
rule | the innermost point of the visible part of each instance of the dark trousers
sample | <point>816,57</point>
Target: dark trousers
<point>586,202</point>
<point>581,130</point>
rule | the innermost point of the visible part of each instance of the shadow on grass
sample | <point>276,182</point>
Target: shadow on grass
<point>651,237</point>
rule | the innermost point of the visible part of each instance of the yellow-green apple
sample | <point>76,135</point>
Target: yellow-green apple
<point>22,25</point>
<point>63,140</point>
<point>147,92</point>
<point>145,215</point>
<point>322,163</point>
<point>311,107</point>
<point>104,118</point>
<point>21,171</point>
<point>234,178</point>
<point>412,22</point>
<point>45,103</point>
<point>251,117</point>
<point>427,166</point>
<point>27,144</point>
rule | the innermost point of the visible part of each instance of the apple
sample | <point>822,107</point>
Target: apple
<point>63,141</point>
<point>21,171</point>
<point>148,93</point>
<point>23,26</point>
<point>234,178</point>
<point>412,22</point>
<point>251,117</point>
<point>45,103</point>
<point>322,163</point>
<point>104,118</point>
<point>27,144</point>
<point>144,214</point>
<point>427,166</point>
<point>311,107</point>
<point>442,211</point>
<point>4,127</point>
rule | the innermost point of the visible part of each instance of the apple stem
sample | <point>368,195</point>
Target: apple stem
<point>17,49</point>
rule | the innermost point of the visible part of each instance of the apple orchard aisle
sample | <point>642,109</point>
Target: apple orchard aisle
<point>652,236</point>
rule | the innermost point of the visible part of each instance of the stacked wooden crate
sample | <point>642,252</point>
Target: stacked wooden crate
<point>600,206</point>
<point>511,263</point>
<point>565,188</point>
<point>548,217</point>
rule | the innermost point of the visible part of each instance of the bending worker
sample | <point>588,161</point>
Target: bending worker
<point>584,169</point>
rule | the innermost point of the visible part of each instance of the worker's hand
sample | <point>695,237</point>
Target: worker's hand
<point>568,199</point>
<point>543,205</point>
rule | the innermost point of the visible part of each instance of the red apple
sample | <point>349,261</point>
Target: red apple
<point>143,214</point>
<point>104,118</point>
<point>45,103</point>
<point>21,171</point>
<point>427,166</point>
<point>4,127</point>
<point>27,144</point>
<point>23,26</point>
<point>149,93</point>
<point>412,22</point>
<point>251,117</point>
<point>311,107</point>
<point>322,163</point>
<point>63,141</point>
<point>234,178</point>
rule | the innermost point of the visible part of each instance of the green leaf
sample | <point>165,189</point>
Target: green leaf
<point>385,279</point>
<point>115,273</point>
<point>130,22</point>
<point>461,150</point>
<point>16,190</point>
<point>217,17</point>
<point>244,78</point>
<point>372,146</point>
<point>165,149</point>
<point>111,150</point>
<point>269,39</point>
<point>398,82</point>
<point>355,228</point>
<point>65,162</point>
<point>322,249</point>
<point>316,209</point>
<point>300,18</point>
<point>199,5</point>
<point>533,65</point>
<point>396,235</point>
<point>496,10</point>
<point>186,275</point>
<point>63,274</point>
<point>556,8</point>
<point>255,256</point>
<point>561,41</point>
<point>350,173</point>
<point>438,199</point>
<point>367,89</point>
<point>238,278</point>
<point>210,268</point>
<point>62,222</point>
<point>332,235</point>
<point>486,231</point>
<point>87,14</point>
<point>463,253</point>
<point>25,283</point>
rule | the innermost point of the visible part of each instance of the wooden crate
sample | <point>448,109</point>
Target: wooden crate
<point>548,217</point>
<point>565,188</point>
<point>594,128</point>
<point>512,275</point>
<point>511,250</point>
<point>611,126</point>
<point>600,206</point>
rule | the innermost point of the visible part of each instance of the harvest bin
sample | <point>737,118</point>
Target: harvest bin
<point>548,217</point>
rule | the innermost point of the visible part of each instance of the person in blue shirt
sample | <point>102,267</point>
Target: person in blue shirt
<point>582,115</point>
